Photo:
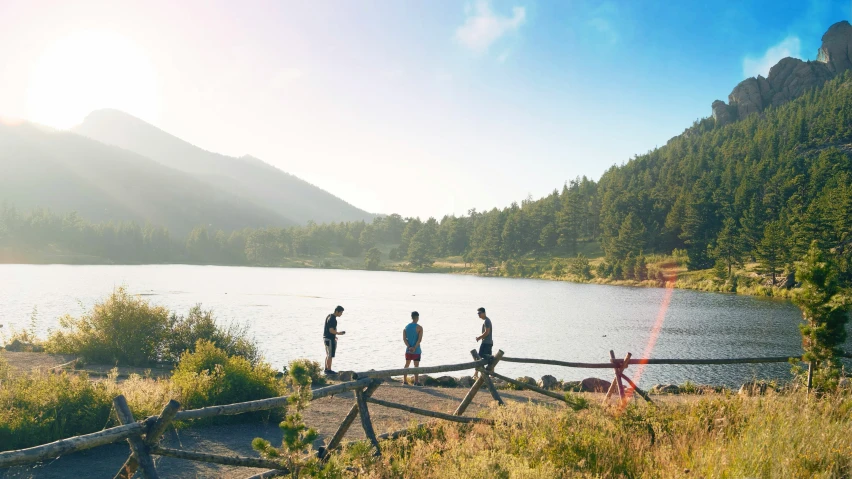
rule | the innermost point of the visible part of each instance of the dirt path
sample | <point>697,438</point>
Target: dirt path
<point>21,362</point>
<point>324,414</point>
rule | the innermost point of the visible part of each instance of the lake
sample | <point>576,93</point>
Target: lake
<point>285,309</point>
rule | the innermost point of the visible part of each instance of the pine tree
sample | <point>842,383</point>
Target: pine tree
<point>825,311</point>
<point>770,250</point>
<point>728,245</point>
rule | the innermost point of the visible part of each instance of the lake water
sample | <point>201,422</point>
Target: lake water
<point>285,309</point>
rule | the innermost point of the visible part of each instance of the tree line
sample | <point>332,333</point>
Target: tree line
<point>760,189</point>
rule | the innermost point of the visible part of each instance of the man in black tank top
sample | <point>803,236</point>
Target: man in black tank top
<point>329,337</point>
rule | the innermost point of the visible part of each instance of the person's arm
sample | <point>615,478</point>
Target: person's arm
<point>335,332</point>
<point>484,334</point>
<point>405,340</point>
<point>419,337</point>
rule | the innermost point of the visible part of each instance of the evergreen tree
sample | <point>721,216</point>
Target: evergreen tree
<point>825,311</point>
<point>729,247</point>
<point>770,250</point>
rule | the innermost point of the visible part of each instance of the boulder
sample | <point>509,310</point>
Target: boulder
<point>548,382</point>
<point>836,47</point>
<point>447,382</point>
<point>466,381</point>
<point>499,383</point>
<point>665,389</point>
<point>427,380</point>
<point>594,385</point>
<point>722,113</point>
<point>527,380</point>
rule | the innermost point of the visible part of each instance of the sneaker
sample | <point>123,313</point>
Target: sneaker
<point>329,372</point>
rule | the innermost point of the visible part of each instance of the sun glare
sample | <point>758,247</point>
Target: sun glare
<point>87,71</point>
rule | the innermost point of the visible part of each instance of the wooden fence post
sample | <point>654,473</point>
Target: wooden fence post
<point>366,423</point>
<point>152,438</point>
<point>347,421</point>
<point>140,450</point>
<point>476,385</point>
<point>490,384</point>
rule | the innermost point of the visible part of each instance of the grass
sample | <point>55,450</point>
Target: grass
<point>41,407</point>
<point>718,436</point>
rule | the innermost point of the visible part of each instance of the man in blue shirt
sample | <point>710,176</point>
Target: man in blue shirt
<point>412,335</point>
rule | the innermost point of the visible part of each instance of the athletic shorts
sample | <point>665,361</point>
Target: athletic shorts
<point>412,357</point>
<point>330,347</point>
<point>485,350</point>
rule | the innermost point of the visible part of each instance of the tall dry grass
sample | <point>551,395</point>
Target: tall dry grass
<point>777,436</point>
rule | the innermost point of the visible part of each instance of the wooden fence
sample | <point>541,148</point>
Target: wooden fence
<point>143,436</point>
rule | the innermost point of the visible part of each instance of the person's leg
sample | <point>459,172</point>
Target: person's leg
<point>405,376</point>
<point>330,349</point>
<point>416,376</point>
<point>327,344</point>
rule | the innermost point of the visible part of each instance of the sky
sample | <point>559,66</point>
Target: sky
<point>402,106</point>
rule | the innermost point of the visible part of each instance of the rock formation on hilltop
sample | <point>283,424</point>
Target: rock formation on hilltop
<point>789,78</point>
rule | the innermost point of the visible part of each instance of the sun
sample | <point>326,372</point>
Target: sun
<point>88,71</point>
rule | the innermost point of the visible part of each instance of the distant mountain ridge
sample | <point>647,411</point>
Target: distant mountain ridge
<point>66,172</point>
<point>246,177</point>
<point>789,78</point>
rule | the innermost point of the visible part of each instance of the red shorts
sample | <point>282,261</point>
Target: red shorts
<point>412,357</point>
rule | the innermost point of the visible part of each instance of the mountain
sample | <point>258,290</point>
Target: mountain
<point>245,177</point>
<point>789,78</point>
<point>67,172</point>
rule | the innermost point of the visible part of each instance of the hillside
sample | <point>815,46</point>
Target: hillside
<point>66,172</point>
<point>246,177</point>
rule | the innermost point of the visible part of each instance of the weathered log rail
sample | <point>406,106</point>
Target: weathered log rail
<point>144,436</point>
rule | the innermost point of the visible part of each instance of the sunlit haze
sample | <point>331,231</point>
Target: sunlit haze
<point>419,108</point>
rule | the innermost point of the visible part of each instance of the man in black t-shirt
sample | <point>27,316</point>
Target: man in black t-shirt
<point>487,336</point>
<point>329,337</point>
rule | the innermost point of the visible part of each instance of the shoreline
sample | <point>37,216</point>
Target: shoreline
<point>704,285</point>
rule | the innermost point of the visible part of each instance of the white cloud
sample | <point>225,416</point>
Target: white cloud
<point>483,27</point>
<point>284,77</point>
<point>603,20</point>
<point>790,47</point>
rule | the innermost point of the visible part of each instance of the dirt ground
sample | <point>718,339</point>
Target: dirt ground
<point>324,414</point>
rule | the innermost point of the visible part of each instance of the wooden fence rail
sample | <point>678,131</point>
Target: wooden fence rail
<point>144,436</point>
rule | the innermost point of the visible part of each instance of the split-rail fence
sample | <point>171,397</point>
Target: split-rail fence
<point>144,436</point>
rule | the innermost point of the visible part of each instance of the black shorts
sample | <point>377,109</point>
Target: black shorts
<point>330,347</point>
<point>485,350</point>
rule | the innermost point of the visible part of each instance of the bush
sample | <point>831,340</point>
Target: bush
<point>41,407</point>
<point>209,376</point>
<point>122,329</point>
<point>127,330</point>
<point>305,368</point>
<point>199,324</point>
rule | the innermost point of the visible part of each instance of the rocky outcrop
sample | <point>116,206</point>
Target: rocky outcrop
<point>789,78</point>
<point>548,382</point>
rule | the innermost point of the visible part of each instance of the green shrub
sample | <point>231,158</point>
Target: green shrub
<point>127,330</point>
<point>185,331</point>
<point>122,329</point>
<point>209,376</point>
<point>42,407</point>
<point>305,368</point>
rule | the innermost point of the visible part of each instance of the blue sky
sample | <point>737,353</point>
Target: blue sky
<point>420,108</point>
